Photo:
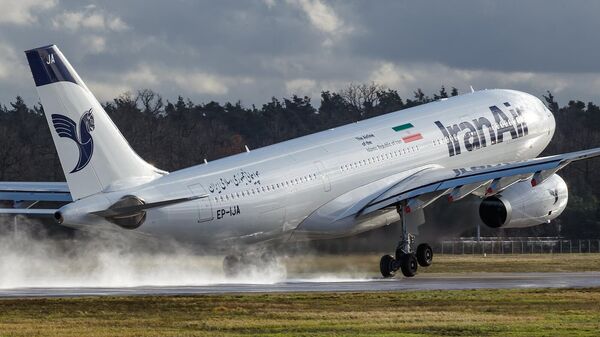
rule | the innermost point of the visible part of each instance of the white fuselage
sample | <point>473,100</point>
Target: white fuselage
<point>293,190</point>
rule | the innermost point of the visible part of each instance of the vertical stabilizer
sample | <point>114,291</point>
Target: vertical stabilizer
<point>93,153</point>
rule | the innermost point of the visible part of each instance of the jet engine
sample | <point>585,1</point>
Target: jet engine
<point>522,205</point>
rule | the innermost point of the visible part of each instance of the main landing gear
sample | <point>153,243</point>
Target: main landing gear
<point>406,259</point>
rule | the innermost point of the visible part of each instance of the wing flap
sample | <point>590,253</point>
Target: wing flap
<point>494,177</point>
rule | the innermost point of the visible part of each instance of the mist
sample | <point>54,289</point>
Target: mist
<point>33,257</point>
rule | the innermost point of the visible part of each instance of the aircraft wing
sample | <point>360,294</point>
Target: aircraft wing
<point>32,198</point>
<point>428,185</point>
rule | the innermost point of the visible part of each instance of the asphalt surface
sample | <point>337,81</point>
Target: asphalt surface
<point>420,282</point>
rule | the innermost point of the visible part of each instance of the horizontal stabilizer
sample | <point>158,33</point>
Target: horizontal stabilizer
<point>35,191</point>
<point>30,212</point>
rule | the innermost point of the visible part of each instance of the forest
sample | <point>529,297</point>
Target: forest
<point>181,133</point>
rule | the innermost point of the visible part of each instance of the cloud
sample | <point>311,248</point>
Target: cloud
<point>21,12</point>
<point>7,61</point>
<point>320,15</point>
<point>406,77</point>
<point>107,91</point>
<point>116,24</point>
<point>94,43</point>
<point>254,50</point>
<point>324,19</point>
<point>89,19</point>
<point>389,75</point>
<point>269,3</point>
<point>143,75</point>
<point>201,83</point>
<point>12,68</point>
<point>184,81</point>
<point>301,86</point>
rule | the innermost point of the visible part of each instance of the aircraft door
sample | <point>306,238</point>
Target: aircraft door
<point>203,205</point>
<point>323,174</point>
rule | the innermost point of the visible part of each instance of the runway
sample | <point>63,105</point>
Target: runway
<point>420,282</point>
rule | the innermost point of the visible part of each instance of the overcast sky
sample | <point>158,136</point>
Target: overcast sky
<point>253,50</point>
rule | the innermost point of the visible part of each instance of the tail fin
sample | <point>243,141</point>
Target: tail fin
<point>93,153</point>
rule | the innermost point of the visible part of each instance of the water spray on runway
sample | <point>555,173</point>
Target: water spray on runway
<point>30,257</point>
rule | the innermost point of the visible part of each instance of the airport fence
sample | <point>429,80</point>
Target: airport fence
<point>492,245</point>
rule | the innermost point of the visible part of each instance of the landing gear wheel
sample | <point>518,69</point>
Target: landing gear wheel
<point>231,265</point>
<point>409,265</point>
<point>405,258</point>
<point>424,255</point>
<point>386,266</point>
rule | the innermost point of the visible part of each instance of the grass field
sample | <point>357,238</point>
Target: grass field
<point>534,312</point>
<point>432,313</point>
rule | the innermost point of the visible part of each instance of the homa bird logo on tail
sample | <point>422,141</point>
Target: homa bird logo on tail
<point>66,127</point>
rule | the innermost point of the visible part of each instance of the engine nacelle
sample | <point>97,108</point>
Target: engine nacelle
<point>521,205</point>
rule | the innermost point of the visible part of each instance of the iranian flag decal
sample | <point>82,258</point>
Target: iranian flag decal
<point>408,129</point>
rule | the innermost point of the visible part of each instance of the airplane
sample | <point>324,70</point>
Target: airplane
<point>331,184</point>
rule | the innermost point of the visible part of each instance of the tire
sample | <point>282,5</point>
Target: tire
<point>386,266</point>
<point>424,255</point>
<point>409,265</point>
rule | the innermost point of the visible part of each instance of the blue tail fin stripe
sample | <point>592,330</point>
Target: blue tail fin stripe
<point>47,66</point>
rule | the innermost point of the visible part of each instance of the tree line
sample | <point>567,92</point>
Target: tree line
<point>177,134</point>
